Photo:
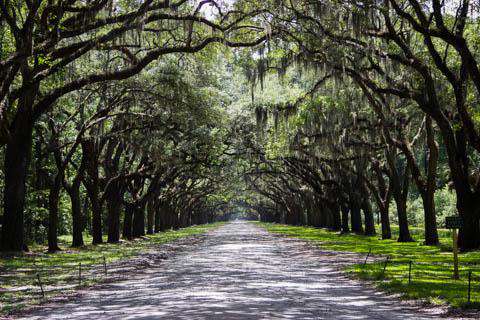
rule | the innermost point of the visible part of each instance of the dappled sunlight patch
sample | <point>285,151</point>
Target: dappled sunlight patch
<point>431,273</point>
<point>59,272</point>
<point>269,277</point>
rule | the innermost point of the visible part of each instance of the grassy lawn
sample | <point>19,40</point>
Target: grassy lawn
<point>59,272</point>
<point>431,274</point>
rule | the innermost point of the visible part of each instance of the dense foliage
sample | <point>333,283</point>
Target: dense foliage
<point>112,115</point>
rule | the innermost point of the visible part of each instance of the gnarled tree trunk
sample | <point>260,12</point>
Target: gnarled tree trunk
<point>16,163</point>
<point>114,206</point>
<point>139,221</point>
<point>77,217</point>
<point>128,221</point>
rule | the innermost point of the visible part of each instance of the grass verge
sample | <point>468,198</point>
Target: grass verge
<point>23,277</point>
<point>430,274</point>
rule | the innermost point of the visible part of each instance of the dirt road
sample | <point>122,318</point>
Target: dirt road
<point>239,272</point>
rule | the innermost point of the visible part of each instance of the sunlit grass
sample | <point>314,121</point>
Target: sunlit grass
<point>432,267</point>
<point>61,268</point>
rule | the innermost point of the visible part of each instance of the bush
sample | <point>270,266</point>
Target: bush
<point>445,205</point>
<point>445,202</point>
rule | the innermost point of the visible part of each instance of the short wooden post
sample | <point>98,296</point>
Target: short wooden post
<point>454,223</point>
<point>80,274</point>
<point>41,285</point>
<point>105,265</point>
<point>368,255</point>
<point>410,272</point>
<point>455,254</point>
<point>469,285</point>
<point>385,265</point>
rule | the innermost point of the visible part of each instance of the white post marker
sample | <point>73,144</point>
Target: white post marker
<point>454,223</point>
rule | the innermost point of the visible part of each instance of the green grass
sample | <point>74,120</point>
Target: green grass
<point>432,267</point>
<point>19,285</point>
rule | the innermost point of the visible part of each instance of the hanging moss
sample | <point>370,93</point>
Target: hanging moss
<point>261,71</point>
<point>276,114</point>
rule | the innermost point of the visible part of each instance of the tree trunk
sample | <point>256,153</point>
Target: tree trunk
<point>356,218</point>
<point>345,210</point>
<point>164,219</point>
<point>151,216</point>
<point>77,218</point>
<point>322,217</point>
<point>469,236</point>
<point>175,220</point>
<point>428,197</point>
<point>139,221</point>
<point>127,221</point>
<point>114,206</point>
<point>431,233</point>
<point>404,235</point>
<point>53,199</point>
<point>92,187</point>
<point>382,196</point>
<point>96,217</point>
<point>385,220</point>
<point>467,202</point>
<point>158,218</point>
<point>336,219</point>
<point>16,163</point>
<point>369,221</point>
<point>400,185</point>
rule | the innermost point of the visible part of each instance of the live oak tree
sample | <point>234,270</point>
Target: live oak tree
<point>400,53</point>
<point>48,43</point>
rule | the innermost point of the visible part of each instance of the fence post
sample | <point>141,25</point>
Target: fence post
<point>368,255</point>
<point>410,272</point>
<point>469,284</point>
<point>41,285</point>
<point>105,265</point>
<point>385,265</point>
<point>80,274</point>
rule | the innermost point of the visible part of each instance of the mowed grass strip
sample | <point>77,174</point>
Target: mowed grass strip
<point>19,285</point>
<point>432,266</point>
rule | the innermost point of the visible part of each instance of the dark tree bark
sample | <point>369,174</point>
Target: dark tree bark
<point>356,217</point>
<point>369,221</point>
<point>128,221</point>
<point>336,218</point>
<point>404,233</point>
<point>77,217</point>
<point>139,221</point>
<point>73,190</point>
<point>428,196</point>
<point>385,221</point>
<point>426,183</point>
<point>382,196</point>
<point>158,217</point>
<point>53,199</point>
<point>400,186</point>
<point>114,189</point>
<point>114,197</point>
<point>16,163</point>
<point>345,209</point>
<point>469,235</point>
<point>92,183</point>
<point>151,210</point>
